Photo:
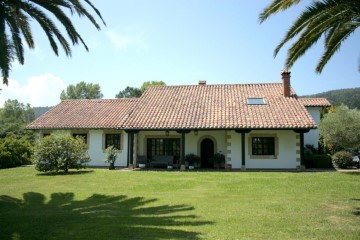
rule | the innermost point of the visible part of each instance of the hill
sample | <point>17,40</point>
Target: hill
<point>349,97</point>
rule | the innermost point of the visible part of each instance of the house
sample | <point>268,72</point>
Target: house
<point>256,126</point>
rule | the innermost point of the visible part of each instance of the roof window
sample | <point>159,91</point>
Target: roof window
<point>256,101</point>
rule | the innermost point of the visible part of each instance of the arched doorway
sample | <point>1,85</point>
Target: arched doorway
<point>207,151</point>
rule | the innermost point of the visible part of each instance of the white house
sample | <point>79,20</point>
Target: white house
<point>256,126</point>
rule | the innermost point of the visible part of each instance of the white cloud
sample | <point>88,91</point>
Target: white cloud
<point>128,38</point>
<point>43,90</point>
<point>119,42</point>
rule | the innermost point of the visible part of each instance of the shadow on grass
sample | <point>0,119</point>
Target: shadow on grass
<point>356,211</point>
<point>80,172</point>
<point>97,217</point>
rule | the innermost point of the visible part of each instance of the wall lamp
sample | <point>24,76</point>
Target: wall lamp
<point>195,132</point>
<point>167,133</point>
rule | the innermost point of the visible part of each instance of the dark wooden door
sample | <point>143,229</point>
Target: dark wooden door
<point>207,151</point>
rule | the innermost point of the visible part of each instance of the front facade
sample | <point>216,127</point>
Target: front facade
<point>256,126</point>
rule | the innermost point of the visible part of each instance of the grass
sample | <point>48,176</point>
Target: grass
<point>103,204</point>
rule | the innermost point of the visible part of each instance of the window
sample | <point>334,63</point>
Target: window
<point>163,147</point>
<point>256,101</point>
<point>263,146</point>
<point>113,140</point>
<point>82,135</point>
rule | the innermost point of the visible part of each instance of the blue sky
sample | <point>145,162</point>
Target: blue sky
<point>179,42</point>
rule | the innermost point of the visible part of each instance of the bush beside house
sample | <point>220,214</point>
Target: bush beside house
<point>60,152</point>
<point>15,152</point>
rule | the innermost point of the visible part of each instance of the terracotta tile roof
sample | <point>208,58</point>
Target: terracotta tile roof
<point>314,102</point>
<point>218,107</point>
<point>85,114</point>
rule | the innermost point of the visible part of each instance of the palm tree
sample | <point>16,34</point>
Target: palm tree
<point>15,16</point>
<point>335,20</point>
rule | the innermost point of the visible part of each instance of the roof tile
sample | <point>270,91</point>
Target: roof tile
<point>85,114</point>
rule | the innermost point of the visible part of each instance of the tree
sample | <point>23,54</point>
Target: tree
<point>335,20</point>
<point>60,152</point>
<point>15,17</point>
<point>82,90</point>
<point>14,116</point>
<point>14,151</point>
<point>129,92</point>
<point>151,83</point>
<point>340,130</point>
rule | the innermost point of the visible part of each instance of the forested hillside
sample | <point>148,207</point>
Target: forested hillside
<point>349,97</point>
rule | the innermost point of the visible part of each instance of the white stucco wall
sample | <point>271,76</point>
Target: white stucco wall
<point>97,151</point>
<point>312,137</point>
<point>287,150</point>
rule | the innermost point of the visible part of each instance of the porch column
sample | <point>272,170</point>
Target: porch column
<point>243,163</point>
<point>182,148</point>
<point>243,156</point>
<point>302,160</point>
<point>130,155</point>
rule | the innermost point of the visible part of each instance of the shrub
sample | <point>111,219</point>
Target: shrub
<point>218,159</point>
<point>321,161</point>
<point>60,152</point>
<point>14,152</point>
<point>192,159</point>
<point>343,159</point>
<point>110,156</point>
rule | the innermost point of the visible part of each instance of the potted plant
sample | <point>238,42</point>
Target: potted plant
<point>141,161</point>
<point>192,159</point>
<point>110,157</point>
<point>218,159</point>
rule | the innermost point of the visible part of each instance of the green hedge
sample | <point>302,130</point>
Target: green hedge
<point>318,161</point>
<point>14,152</point>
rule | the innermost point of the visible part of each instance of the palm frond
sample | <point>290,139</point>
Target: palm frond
<point>15,15</point>
<point>48,26</point>
<point>334,19</point>
<point>333,43</point>
<point>275,7</point>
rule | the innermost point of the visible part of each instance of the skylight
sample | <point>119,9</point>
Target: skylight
<point>256,101</point>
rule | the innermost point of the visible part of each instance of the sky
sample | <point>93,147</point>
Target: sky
<point>179,42</point>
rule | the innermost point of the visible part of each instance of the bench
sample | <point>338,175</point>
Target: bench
<point>162,161</point>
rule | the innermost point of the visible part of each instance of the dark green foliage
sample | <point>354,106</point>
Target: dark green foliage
<point>13,118</point>
<point>14,152</point>
<point>82,90</point>
<point>315,159</point>
<point>322,161</point>
<point>343,159</point>
<point>218,159</point>
<point>60,152</point>
<point>192,159</point>
<point>349,97</point>
<point>129,92</point>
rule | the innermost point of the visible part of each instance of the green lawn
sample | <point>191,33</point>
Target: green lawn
<point>103,204</point>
